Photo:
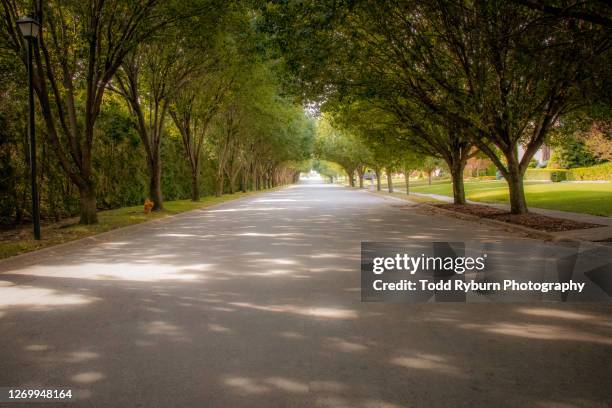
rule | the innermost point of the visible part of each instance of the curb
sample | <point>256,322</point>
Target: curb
<point>36,255</point>
<point>506,225</point>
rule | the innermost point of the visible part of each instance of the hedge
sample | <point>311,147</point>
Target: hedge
<point>593,173</point>
<point>599,172</point>
<point>555,175</point>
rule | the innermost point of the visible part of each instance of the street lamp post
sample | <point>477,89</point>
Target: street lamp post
<point>29,29</point>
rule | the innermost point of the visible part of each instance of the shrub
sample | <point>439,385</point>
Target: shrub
<point>600,172</point>
<point>491,170</point>
<point>572,153</point>
<point>554,175</point>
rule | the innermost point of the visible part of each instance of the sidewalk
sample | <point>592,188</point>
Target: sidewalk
<point>579,217</point>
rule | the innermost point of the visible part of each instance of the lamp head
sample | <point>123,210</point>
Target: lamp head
<point>29,27</point>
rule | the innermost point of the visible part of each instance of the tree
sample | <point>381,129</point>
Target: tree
<point>598,140</point>
<point>429,165</point>
<point>150,79</point>
<point>192,113</point>
<point>225,147</point>
<point>409,162</point>
<point>258,135</point>
<point>327,169</point>
<point>342,147</point>
<point>362,74</point>
<point>80,47</point>
<point>502,72</point>
<point>491,74</point>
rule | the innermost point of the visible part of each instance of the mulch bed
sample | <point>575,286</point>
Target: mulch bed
<point>530,220</point>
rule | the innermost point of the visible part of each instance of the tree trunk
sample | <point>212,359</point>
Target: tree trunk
<point>389,180</point>
<point>545,152</point>
<point>87,204</point>
<point>360,171</point>
<point>351,177</point>
<point>407,180</point>
<point>458,186</point>
<point>378,180</point>
<point>232,184</point>
<point>195,186</point>
<point>429,177</point>
<point>254,186</point>
<point>518,203</point>
<point>155,185</point>
<point>244,180</point>
<point>220,183</point>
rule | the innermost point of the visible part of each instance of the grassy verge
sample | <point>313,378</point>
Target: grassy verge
<point>588,198</point>
<point>413,198</point>
<point>20,241</point>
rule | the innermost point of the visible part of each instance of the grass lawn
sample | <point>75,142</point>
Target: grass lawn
<point>14,242</point>
<point>588,198</point>
<point>413,198</point>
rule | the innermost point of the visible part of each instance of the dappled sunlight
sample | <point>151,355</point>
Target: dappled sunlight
<point>74,357</point>
<point>144,272</point>
<point>36,347</point>
<point>323,312</point>
<point>331,269</point>
<point>88,377</point>
<point>325,256</point>
<point>334,401</point>
<point>270,273</point>
<point>342,345</point>
<point>276,261</point>
<point>287,385</point>
<point>250,308</point>
<point>174,235</point>
<point>39,299</point>
<point>264,385</point>
<point>165,329</point>
<point>222,309</point>
<point>241,209</point>
<point>424,361</point>
<point>218,328</point>
<point>555,313</point>
<point>268,235</point>
<point>540,332</point>
<point>246,385</point>
<point>292,335</point>
<point>274,200</point>
<point>332,313</point>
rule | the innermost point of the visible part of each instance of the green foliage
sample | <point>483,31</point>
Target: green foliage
<point>111,219</point>
<point>495,74</point>
<point>602,172</point>
<point>118,158</point>
<point>554,175</point>
<point>572,153</point>
<point>585,198</point>
<point>199,57</point>
<point>327,168</point>
<point>340,146</point>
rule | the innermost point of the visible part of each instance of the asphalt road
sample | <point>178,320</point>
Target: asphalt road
<point>256,303</point>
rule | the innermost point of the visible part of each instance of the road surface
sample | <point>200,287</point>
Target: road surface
<point>256,303</point>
